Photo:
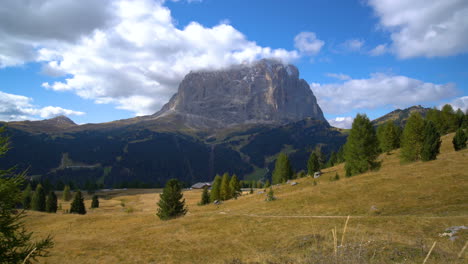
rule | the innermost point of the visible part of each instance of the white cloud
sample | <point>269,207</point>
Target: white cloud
<point>308,43</point>
<point>353,44</point>
<point>342,122</point>
<point>460,102</point>
<point>338,76</point>
<point>377,91</point>
<point>379,50</point>
<point>17,107</point>
<point>133,56</point>
<point>424,28</point>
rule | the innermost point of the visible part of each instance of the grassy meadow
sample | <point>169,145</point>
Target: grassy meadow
<point>396,215</point>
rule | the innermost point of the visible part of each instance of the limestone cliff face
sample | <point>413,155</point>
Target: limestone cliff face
<point>264,92</point>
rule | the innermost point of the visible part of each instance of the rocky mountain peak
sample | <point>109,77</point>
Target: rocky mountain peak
<point>60,120</point>
<point>266,91</point>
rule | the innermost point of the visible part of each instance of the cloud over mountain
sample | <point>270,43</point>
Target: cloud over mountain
<point>379,90</point>
<point>128,53</point>
<point>18,107</point>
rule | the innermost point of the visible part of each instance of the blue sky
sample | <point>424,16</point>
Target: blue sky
<point>127,57</point>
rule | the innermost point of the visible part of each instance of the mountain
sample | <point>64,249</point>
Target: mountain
<point>400,116</point>
<point>267,92</point>
<point>234,120</point>
<point>59,123</point>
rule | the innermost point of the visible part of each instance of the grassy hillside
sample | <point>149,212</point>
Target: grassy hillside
<point>397,213</point>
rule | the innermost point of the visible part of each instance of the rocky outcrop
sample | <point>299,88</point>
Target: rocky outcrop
<point>266,91</point>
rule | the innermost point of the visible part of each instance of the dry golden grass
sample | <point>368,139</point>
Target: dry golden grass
<point>413,204</point>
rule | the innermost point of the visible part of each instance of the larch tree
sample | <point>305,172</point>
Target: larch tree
<point>361,149</point>
<point>66,193</point>
<point>215,194</point>
<point>205,197</point>
<point>388,135</point>
<point>225,191</point>
<point>431,144</point>
<point>234,187</point>
<point>412,139</point>
<point>171,203</point>
<point>27,197</point>
<point>283,170</point>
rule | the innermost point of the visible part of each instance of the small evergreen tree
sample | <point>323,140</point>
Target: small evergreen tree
<point>361,149</point>
<point>205,197</point>
<point>77,205</point>
<point>215,194</point>
<point>15,242</point>
<point>95,201</point>
<point>283,170</point>
<point>51,203</point>
<point>332,161</point>
<point>27,197</point>
<point>337,176</point>
<point>270,195</point>
<point>313,164</point>
<point>459,140</point>
<point>171,203</point>
<point>225,191</point>
<point>435,116</point>
<point>38,201</point>
<point>413,138</point>
<point>234,187</point>
<point>431,144</point>
<point>267,184</point>
<point>340,156</point>
<point>66,193</point>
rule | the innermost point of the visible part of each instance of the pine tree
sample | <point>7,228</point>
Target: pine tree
<point>38,201</point>
<point>215,194</point>
<point>234,187</point>
<point>51,203</point>
<point>283,170</point>
<point>171,203</point>
<point>95,201</point>
<point>225,192</point>
<point>459,140</point>
<point>313,164</point>
<point>413,138</point>
<point>205,197</point>
<point>27,197</point>
<point>267,184</point>
<point>66,193</point>
<point>16,244</point>
<point>431,144</point>
<point>270,195</point>
<point>388,135</point>
<point>361,149</point>
<point>77,206</point>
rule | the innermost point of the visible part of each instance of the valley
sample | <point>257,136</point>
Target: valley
<point>396,214</point>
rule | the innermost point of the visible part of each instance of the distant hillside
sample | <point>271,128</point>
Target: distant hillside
<point>400,116</point>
